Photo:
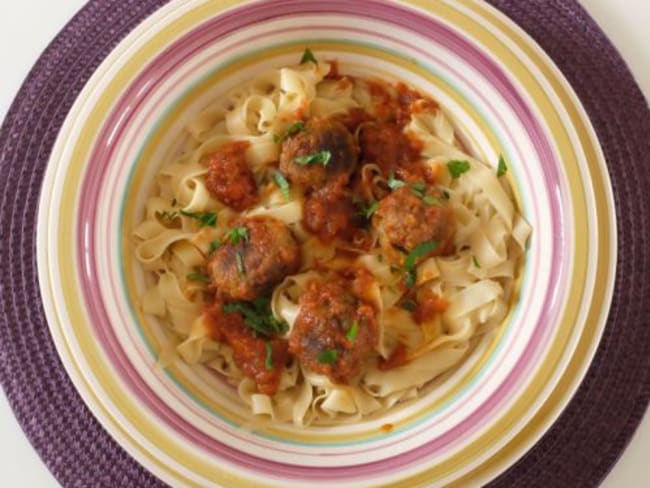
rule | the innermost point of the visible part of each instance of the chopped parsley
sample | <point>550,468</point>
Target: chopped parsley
<point>214,245</point>
<point>197,277</point>
<point>328,357</point>
<point>445,195</point>
<point>237,234</point>
<point>308,56</point>
<point>457,168</point>
<point>502,168</point>
<point>409,263</point>
<point>205,219</point>
<point>353,331</point>
<point>320,157</point>
<point>418,189</point>
<point>258,316</point>
<point>408,305</point>
<point>283,184</point>
<point>476,263</point>
<point>240,264</point>
<point>367,210</point>
<point>292,130</point>
<point>269,356</point>
<point>429,200</point>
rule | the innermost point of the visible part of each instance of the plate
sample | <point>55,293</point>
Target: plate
<point>186,426</point>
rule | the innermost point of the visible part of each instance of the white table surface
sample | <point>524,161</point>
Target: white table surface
<point>26,28</point>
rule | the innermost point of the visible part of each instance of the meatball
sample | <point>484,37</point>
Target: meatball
<point>264,253</point>
<point>385,145</point>
<point>230,179</point>
<point>330,213</point>
<point>405,221</point>
<point>329,140</point>
<point>336,329</point>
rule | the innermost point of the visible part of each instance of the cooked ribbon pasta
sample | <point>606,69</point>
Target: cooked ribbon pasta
<point>327,244</point>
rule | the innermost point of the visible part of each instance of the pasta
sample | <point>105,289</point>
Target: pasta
<point>327,245</point>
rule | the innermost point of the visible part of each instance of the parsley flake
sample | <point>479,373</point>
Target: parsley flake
<point>205,219</point>
<point>269,356</point>
<point>237,234</point>
<point>197,277</point>
<point>214,245</point>
<point>353,331</point>
<point>328,357</point>
<point>292,130</point>
<point>308,56</point>
<point>429,200</point>
<point>408,305</point>
<point>322,157</point>
<point>258,316</point>
<point>283,185</point>
<point>457,168</point>
<point>502,168</point>
<point>476,263</point>
<point>367,211</point>
<point>420,250</point>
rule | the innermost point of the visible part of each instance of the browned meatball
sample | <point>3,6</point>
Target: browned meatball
<point>405,221</point>
<point>336,329</point>
<point>263,254</point>
<point>387,146</point>
<point>229,177</point>
<point>332,146</point>
<point>330,213</point>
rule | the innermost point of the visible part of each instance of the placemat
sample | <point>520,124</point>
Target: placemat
<point>578,450</point>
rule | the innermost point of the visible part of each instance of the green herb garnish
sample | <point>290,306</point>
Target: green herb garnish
<point>445,195</point>
<point>308,56</point>
<point>457,168</point>
<point>292,130</point>
<point>214,245</point>
<point>283,184</point>
<point>269,356</point>
<point>418,189</point>
<point>353,331</point>
<point>240,264</point>
<point>258,316</point>
<point>197,277</point>
<point>502,168</point>
<point>205,219</point>
<point>408,305</point>
<point>367,211</point>
<point>328,357</point>
<point>429,200</point>
<point>321,157</point>
<point>410,261</point>
<point>476,263</point>
<point>237,234</point>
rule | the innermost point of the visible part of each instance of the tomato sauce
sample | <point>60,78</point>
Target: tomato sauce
<point>428,306</point>
<point>249,351</point>
<point>230,178</point>
<point>398,358</point>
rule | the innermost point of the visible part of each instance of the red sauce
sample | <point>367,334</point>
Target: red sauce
<point>387,146</point>
<point>397,358</point>
<point>230,178</point>
<point>329,213</point>
<point>428,306</point>
<point>354,117</point>
<point>249,351</point>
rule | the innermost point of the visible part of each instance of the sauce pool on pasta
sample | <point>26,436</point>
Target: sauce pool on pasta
<point>328,244</point>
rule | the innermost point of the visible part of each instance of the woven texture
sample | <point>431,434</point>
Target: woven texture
<point>582,445</point>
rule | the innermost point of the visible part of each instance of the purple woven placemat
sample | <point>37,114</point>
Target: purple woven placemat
<point>582,445</point>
